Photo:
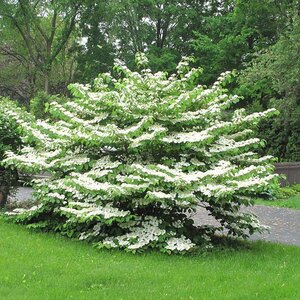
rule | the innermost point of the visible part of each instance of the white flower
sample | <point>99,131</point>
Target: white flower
<point>179,244</point>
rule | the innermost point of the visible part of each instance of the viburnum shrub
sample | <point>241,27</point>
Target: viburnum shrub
<point>132,156</point>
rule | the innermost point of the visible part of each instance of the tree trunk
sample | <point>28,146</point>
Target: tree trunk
<point>47,83</point>
<point>4,191</point>
<point>8,179</point>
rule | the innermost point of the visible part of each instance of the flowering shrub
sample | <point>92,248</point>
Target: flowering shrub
<point>131,158</point>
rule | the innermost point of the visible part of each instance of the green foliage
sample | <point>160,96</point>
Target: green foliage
<point>9,141</point>
<point>288,191</point>
<point>282,134</point>
<point>266,80</point>
<point>9,137</point>
<point>220,46</point>
<point>95,52</point>
<point>296,187</point>
<point>39,104</point>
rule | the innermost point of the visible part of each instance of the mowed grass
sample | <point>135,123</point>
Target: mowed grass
<point>45,266</point>
<point>292,202</point>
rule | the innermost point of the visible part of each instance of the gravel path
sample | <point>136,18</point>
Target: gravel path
<point>23,194</point>
<point>284,223</point>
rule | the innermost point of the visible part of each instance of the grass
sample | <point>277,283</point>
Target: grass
<point>46,266</point>
<point>292,202</point>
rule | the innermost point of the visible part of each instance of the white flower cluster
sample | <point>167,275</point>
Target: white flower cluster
<point>56,195</point>
<point>187,137</point>
<point>88,183</point>
<point>95,232</point>
<point>87,211</point>
<point>225,145</point>
<point>179,244</point>
<point>141,235</point>
<point>19,211</point>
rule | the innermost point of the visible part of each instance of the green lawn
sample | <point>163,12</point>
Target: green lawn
<point>44,266</point>
<point>292,202</point>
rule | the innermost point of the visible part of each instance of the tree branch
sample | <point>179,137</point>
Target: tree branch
<point>53,26</point>
<point>33,18</point>
<point>6,51</point>
<point>67,32</point>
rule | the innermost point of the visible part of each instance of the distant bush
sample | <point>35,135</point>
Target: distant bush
<point>296,187</point>
<point>131,158</point>
<point>282,134</point>
<point>288,191</point>
<point>9,136</point>
<point>9,141</point>
<point>39,105</point>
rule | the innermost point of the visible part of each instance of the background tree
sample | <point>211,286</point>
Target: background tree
<point>232,31</point>
<point>273,79</point>
<point>162,28</point>
<point>96,50</point>
<point>43,30</point>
